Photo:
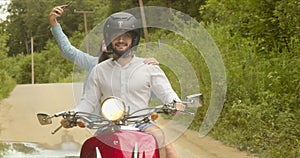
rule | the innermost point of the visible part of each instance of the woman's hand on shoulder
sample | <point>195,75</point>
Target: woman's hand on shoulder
<point>151,61</point>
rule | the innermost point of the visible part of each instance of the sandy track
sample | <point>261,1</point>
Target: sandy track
<point>18,123</point>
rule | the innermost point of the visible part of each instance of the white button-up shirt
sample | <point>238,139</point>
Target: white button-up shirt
<point>132,83</point>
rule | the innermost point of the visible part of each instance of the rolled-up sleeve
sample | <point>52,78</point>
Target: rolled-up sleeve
<point>161,86</point>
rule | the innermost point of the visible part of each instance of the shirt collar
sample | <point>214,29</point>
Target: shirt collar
<point>133,60</point>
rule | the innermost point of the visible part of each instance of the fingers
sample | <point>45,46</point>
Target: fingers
<point>56,12</point>
<point>65,123</point>
<point>180,106</point>
<point>151,61</point>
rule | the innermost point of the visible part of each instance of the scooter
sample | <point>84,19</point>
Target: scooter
<point>117,135</point>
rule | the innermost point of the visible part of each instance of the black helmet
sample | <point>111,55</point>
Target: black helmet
<point>121,22</point>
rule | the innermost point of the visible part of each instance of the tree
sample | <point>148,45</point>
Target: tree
<point>29,18</point>
<point>7,84</point>
<point>189,7</point>
<point>259,41</point>
<point>26,20</point>
<point>273,24</point>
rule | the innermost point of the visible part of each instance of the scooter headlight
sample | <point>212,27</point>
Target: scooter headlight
<point>113,108</point>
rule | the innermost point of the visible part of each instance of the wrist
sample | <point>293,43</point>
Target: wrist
<point>54,23</point>
<point>53,20</point>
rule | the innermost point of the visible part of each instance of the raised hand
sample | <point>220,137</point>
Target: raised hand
<point>56,12</point>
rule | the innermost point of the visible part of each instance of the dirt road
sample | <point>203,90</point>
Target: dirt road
<point>18,123</point>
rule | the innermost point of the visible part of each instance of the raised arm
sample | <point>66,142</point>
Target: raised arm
<point>68,51</point>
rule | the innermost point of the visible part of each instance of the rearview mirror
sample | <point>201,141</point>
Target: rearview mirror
<point>44,119</point>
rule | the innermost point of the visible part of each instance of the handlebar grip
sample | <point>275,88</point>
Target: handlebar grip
<point>59,114</point>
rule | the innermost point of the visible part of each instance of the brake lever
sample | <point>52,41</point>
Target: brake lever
<point>186,112</point>
<point>57,129</point>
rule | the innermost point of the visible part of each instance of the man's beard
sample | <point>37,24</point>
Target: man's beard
<point>121,54</point>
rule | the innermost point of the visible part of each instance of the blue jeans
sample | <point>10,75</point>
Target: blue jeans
<point>143,127</point>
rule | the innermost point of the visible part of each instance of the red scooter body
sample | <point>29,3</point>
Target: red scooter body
<point>121,144</point>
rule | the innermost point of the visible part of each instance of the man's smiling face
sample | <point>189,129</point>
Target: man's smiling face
<point>122,43</point>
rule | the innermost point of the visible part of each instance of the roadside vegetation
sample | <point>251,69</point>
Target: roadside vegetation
<point>259,41</point>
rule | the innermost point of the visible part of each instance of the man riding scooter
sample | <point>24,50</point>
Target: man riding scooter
<point>127,77</point>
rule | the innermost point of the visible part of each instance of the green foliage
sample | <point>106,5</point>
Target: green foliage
<point>19,147</point>
<point>273,23</point>
<point>178,43</point>
<point>259,43</point>
<point>25,20</point>
<point>260,129</point>
<point>189,7</point>
<point>262,103</point>
<point>174,73</point>
<point>258,39</point>
<point>28,19</point>
<point>49,65</point>
<point>3,148</point>
<point>7,84</point>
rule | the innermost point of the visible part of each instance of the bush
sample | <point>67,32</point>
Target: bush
<point>261,113</point>
<point>7,84</point>
<point>3,149</point>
